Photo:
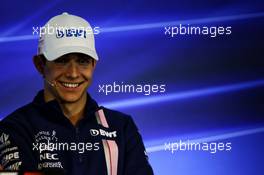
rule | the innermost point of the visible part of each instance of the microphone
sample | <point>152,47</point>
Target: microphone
<point>50,83</point>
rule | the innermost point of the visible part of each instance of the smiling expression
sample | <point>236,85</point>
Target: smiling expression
<point>69,76</point>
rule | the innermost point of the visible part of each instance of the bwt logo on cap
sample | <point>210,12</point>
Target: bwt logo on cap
<point>60,33</point>
<point>65,34</point>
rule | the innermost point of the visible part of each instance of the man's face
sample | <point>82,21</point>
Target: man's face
<point>71,75</point>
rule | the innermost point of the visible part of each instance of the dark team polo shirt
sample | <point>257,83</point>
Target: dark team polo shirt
<point>38,136</point>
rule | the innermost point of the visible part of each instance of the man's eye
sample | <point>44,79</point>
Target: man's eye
<point>85,61</point>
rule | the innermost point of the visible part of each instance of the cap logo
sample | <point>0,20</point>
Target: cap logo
<point>72,32</point>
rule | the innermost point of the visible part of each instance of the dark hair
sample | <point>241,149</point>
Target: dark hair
<point>44,59</point>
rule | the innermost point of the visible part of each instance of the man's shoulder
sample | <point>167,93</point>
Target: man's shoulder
<point>20,113</point>
<point>116,117</point>
<point>114,113</point>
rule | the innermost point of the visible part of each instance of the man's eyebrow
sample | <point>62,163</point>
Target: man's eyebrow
<point>85,57</point>
<point>62,58</point>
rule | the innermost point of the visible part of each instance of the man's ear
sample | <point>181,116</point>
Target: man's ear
<point>39,63</point>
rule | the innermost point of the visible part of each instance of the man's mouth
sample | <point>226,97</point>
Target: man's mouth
<point>70,85</point>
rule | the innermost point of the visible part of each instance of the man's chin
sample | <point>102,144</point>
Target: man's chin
<point>70,98</point>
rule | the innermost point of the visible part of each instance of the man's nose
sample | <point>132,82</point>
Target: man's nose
<point>72,70</point>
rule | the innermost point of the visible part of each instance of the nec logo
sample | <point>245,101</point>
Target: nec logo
<point>48,156</point>
<point>96,132</point>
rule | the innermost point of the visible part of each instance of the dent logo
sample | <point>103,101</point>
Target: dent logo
<point>94,132</point>
<point>4,137</point>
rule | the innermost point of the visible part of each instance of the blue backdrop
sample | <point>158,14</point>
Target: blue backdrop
<point>214,85</point>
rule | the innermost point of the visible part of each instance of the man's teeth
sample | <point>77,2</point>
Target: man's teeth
<point>71,85</point>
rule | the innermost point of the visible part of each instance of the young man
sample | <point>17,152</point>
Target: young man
<point>64,128</point>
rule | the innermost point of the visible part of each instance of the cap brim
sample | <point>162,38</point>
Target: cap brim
<point>58,52</point>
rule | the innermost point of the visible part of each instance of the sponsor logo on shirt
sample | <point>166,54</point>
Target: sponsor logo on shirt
<point>47,157</point>
<point>14,166</point>
<point>4,138</point>
<point>101,132</point>
<point>9,153</point>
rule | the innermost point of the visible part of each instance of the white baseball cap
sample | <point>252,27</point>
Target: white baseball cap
<point>65,34</point>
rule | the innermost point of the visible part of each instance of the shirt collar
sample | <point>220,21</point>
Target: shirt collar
<point>90,107</point>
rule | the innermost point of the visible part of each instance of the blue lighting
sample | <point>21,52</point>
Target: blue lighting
<point>183,95</point>
<point>191,21</point>
<point>145,26</point>
<point>210,138</point>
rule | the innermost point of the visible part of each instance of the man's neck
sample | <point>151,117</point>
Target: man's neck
<point>73,111</point>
